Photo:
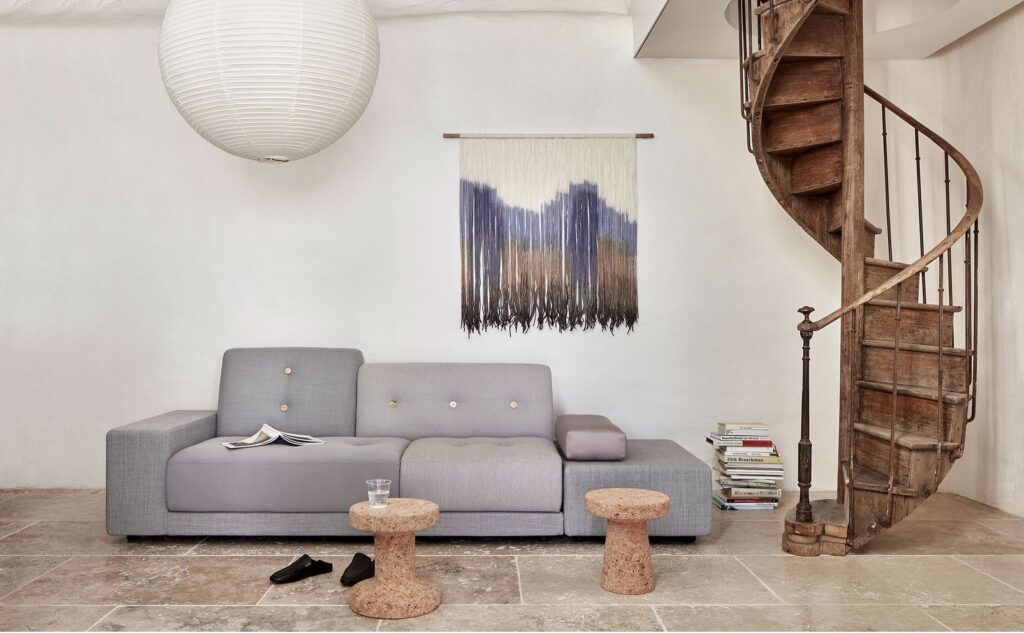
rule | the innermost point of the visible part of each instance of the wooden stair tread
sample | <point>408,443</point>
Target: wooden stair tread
<point>950,397</point>
<point>807,83</point>
<point>796,148</point>
<point>796,130</point>
<point>867,479</point>
<point>871,261</point>
<point>819,189</point>
<point>777,106</point>
<point>837,229</point>
<point>903,438</point>
<point>833,7</point>
<point>906,305</point>
<point>915,347</point>
<point>808,56</point>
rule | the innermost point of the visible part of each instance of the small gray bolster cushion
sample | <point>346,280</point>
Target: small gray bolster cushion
<point>590,438</point>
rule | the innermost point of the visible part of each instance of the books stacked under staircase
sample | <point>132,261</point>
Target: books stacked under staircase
<point>748,467</point>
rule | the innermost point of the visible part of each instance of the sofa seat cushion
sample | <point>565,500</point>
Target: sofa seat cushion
<point>484,474</point>
<point>330,477</point>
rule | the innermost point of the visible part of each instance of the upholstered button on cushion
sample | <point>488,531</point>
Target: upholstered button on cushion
<point>484,474</point>
<point>454,400</point>
<point>329,477</point>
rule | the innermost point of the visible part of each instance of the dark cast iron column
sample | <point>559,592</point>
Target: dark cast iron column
<point>803,507</point>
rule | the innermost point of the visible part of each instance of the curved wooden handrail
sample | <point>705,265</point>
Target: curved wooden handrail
<point>975,197</point>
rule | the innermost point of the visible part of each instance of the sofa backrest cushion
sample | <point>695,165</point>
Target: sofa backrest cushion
<point>414,400</point>
<point>297,389</point>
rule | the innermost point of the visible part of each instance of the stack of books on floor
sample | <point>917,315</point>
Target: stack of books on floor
<point>748,467</point>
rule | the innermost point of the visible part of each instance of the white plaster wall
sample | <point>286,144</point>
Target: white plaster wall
<point>971,93</point>
<point>133,253</point>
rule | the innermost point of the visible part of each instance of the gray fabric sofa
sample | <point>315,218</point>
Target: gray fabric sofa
<point>477,439</point>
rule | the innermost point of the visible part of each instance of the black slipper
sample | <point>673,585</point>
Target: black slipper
<point>301,569</point>
<point>358,570</point>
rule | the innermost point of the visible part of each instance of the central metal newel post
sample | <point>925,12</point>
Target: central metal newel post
<point>803,507</point>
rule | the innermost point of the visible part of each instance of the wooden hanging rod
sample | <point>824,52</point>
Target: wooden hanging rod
<point>638,135</point>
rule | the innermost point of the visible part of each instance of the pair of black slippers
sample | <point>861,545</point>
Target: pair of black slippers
<point>304,567</point>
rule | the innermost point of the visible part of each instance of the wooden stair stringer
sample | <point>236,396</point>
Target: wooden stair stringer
<point>811,203</point>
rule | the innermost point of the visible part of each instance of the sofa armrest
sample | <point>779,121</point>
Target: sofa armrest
<point>137,457</point>
<point>590,438</point>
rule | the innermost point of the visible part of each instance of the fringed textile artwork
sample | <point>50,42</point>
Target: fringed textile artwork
<point>548,233</point>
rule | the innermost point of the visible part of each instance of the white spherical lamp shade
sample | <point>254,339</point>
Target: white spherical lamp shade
<point>270,80</point>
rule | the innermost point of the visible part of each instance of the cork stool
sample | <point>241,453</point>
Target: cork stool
<point>627,551</point>
<point>394,591</point>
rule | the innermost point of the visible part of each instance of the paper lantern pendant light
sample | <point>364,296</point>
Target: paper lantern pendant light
<point>270,80</point>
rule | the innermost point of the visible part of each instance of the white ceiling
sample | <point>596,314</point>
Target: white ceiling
<point>91,12</point>
<point>893,29</point>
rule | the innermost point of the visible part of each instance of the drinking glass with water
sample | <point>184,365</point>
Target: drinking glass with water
<point>378,491</point>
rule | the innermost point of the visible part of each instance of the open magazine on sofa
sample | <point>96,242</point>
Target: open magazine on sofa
<point>269,435</point>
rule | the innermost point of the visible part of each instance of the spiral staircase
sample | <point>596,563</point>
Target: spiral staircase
<point>908,371</point>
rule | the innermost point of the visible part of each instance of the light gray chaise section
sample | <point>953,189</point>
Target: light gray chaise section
<point>660,465</point>
<point>482,442</point>
<point>318,387</point>
<point>278,478</point>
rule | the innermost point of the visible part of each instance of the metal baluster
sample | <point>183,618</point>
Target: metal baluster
<point>804,513</point>
<point>885,161</point>
<point>920,211</point>
<point>949,253</point>
<point>973,393</point>
<point>887,520</point>
<point>968,326</point>
<point>742,30</point>
<point>942,417</point>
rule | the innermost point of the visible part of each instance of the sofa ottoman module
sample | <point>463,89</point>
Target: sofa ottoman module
<point>659,465</point>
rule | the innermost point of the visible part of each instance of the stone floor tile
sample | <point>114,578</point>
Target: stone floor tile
<point>941,537</point>
<point>15,571</point>
<point>152,580</point>
<point>10,527</point>
<point>72,538</point>
<point>53,505</point>
<point>960,617</point>
<point>235,618</point>
<point>950,507</point>
<point>39,619</point>
<point>679,580</point>
<point>1009,569</point>
<point>877,579</point>
<point>283,546</point>
<point>832,617</point>
<point>517,617</point>
<point>539,545</point>
<point>1013,528</point>
<point>472,579</point>
<point>728,537</point>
